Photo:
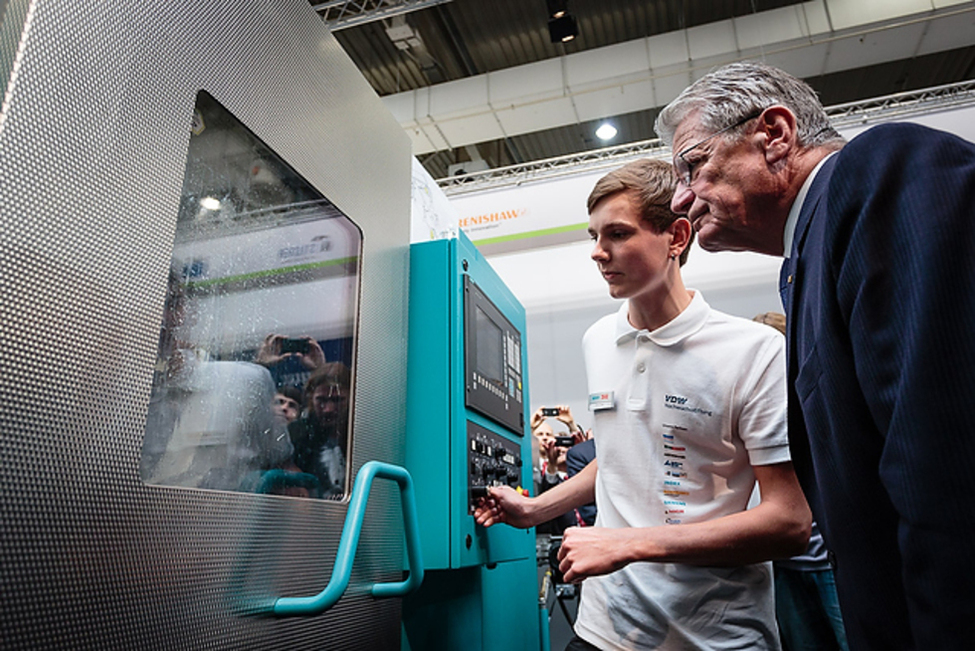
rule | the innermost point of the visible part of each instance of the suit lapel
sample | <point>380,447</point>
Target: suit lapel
<point>787,274</point>
<point>789,284</point>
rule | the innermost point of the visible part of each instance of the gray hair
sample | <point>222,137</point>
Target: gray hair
<point>726,95</point>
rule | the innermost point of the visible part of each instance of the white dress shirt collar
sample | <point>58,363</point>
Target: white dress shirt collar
<point>793,219</point>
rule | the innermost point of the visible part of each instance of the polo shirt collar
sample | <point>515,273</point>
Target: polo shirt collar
<point>689,321</point>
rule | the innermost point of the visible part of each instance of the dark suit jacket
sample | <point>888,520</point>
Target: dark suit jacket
<point>577,458</point>
<point>880,295</point>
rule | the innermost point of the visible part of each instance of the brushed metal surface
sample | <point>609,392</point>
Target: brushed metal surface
<point>93,140</point>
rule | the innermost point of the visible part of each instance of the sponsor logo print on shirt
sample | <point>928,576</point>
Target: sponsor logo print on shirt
<point>681,403</point>
<point>673,487</point>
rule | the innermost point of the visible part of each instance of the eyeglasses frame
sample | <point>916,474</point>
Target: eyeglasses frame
<point>685,177</point>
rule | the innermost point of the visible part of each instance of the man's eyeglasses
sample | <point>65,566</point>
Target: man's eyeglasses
<point>685,169</point>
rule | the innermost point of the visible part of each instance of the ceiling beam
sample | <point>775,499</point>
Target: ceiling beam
<point>342,14</point>
<point>809,39</point>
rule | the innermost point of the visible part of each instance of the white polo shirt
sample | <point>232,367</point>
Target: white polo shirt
<point>681,414</point>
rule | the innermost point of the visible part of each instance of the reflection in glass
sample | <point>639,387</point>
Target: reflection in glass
<point>253,379</point>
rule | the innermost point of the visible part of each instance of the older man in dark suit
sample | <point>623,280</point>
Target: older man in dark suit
<point>879,237</point>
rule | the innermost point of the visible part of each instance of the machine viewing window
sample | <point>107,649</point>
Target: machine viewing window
<point>493,360</point>
<point>253,382</point>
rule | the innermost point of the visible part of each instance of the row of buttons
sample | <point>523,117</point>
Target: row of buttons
<point>514,353</point>
<point>490,386</point>
<point>496,452</point>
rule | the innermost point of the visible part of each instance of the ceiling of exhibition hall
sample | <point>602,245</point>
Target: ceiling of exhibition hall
<point>480,83</point>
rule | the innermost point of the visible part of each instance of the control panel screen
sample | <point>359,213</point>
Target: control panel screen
<point>493,361</point>
<point>489,356</point>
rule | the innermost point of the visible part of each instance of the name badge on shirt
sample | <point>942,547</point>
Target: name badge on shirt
<point>601,400</point>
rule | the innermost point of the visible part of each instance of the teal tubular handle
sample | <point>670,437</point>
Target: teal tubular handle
<point>350,541</point>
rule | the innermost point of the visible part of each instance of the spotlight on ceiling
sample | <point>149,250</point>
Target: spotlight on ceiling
<point>563,29</point>
<point>606,131</point>
<point>556,8</point>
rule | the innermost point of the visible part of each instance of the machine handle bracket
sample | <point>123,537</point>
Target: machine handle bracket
<point>342,571</point>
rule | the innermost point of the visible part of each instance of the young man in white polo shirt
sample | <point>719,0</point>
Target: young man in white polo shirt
<point>689,407</point>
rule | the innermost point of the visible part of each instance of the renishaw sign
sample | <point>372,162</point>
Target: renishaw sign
<point>525,210</point>
<point>471,224</point>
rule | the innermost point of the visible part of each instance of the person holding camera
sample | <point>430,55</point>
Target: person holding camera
<point>276,349</point>
<point>553,447</point>
<point>552,467</point>
<point>689,409</point>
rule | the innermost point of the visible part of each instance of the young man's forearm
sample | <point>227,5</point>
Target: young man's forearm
<point>575,491</point>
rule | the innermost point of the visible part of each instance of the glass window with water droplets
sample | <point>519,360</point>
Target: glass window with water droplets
<point>252,383</point>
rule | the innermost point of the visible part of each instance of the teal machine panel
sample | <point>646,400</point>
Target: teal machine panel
<point>467,410</point>
<point>466,404</point>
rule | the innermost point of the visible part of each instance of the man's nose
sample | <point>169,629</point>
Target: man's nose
<point>683,198</point>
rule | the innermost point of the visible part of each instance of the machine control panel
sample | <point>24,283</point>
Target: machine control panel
<point>492,460</point>
<point>494,384</point>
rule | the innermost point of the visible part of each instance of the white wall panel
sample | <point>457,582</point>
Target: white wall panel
<point>402,106</point>
<point>460,130</point>
<point>668,50</point>
<point>613,101</point>
<point>768,27</point>
<point>463,97</point>
<point>713,39</point>
<point>875,47</point>
<point>524,84</point>
<point>807,61</point>
<point>418,139</point>
<point>619,60</point>
<point>951,29</point>
<point>815,16</point>
<point>847,14</point>
<point>536,116</point>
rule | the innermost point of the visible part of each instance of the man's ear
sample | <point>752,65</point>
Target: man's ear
<point>680,231</point>
<point>777,127</point>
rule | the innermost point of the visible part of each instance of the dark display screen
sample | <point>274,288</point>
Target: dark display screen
<point>492,361</point>
<point>490,348</point>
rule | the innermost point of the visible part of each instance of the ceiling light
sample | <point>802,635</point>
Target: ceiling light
<point>606,131</point>
<point>556,8</point>
<point>562,30</point>
<point>210,203</point>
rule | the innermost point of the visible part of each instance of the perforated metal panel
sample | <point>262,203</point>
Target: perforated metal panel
<point>93,139</point>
